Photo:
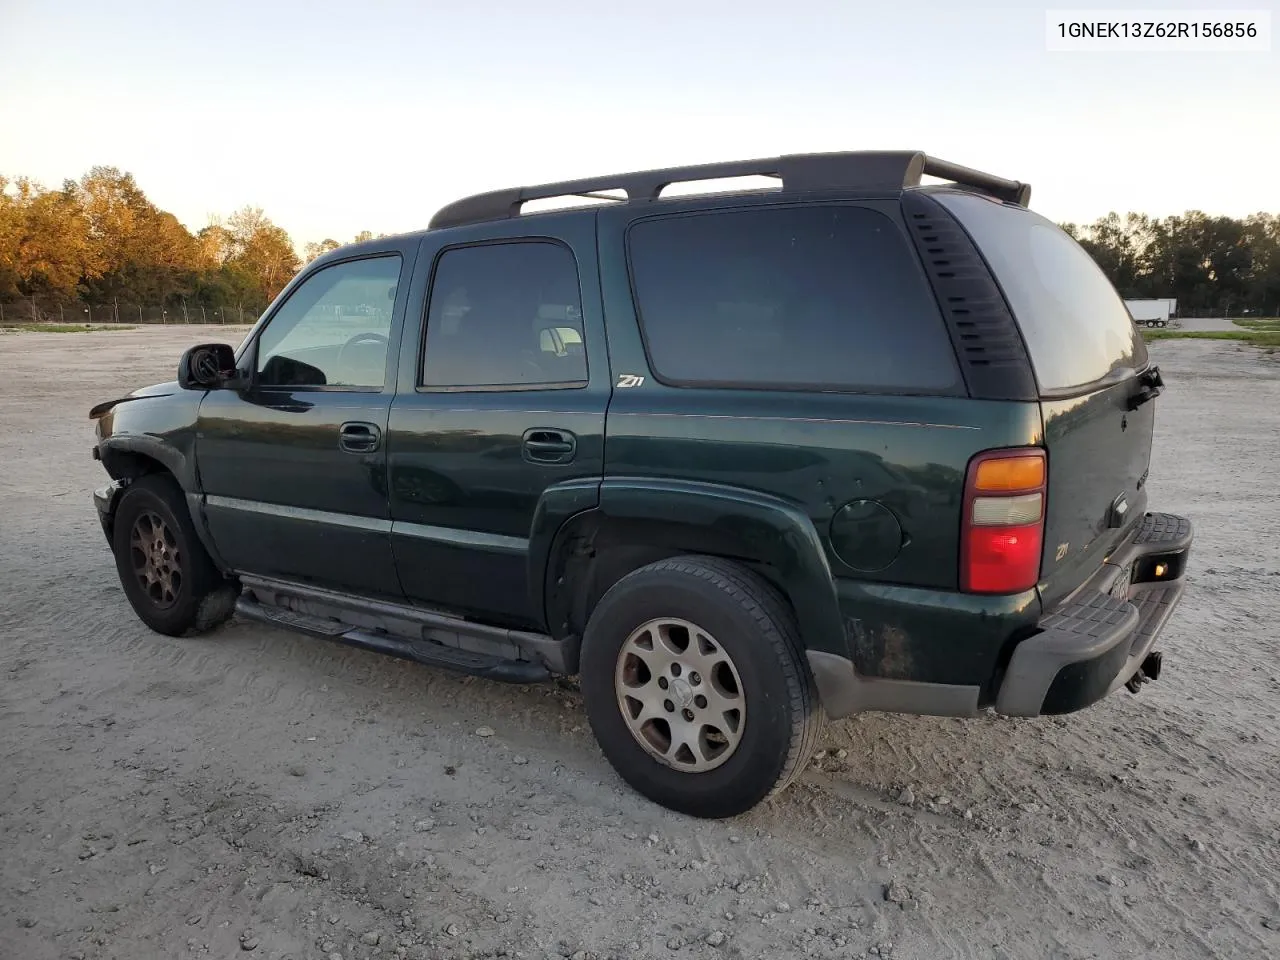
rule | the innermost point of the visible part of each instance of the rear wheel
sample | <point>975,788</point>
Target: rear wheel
<point>169,578</point>
<point>696,688</point>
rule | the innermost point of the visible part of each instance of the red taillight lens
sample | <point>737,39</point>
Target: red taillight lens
<point>1003,559</point>
<point>1002,535</point>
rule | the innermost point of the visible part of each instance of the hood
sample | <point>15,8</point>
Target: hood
<point>155,390</point>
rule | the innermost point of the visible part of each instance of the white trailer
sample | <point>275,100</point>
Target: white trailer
<point>1152,313</point>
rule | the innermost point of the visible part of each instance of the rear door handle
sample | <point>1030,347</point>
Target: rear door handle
<point>356,436</point>
<point>548,445</point>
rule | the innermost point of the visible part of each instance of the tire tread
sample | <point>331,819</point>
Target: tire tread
<point>766,605</point>
<point>775,626</point>
<point>214,594</point>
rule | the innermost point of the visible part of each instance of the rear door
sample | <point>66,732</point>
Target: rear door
<point>503,388</point>
<point>1092,368</point>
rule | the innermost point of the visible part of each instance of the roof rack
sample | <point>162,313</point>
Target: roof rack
<point>881,169</point>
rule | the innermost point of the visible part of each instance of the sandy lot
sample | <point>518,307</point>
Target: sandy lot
<point>255,793</point>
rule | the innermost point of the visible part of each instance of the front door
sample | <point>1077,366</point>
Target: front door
<point>500,412</point>
<point>294,468</point>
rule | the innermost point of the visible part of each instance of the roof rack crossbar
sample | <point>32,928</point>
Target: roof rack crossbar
<point>592,195</point>
<point>875,170</point>
<point>1011,191</point>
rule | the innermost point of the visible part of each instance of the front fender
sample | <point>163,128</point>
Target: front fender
<point>667,516</point>
<point>172,459</point>
<point>156,426</point>
<point>157,423</point>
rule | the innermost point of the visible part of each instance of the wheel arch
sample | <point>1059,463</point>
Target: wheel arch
<point>640,521</point>
<point>129,465</point>
<point>129,458</point>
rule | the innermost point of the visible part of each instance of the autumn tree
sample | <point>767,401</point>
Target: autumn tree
<point>100,239</point>
<point>314,250</point>
<point>213,245</point>
<point>261,249</point>
<point>142,253</point>
<point>9,233</point>
<point>44,243</point>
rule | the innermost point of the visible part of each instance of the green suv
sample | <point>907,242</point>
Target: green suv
<point>739,460</point>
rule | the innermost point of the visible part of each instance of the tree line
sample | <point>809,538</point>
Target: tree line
<point>1210,265</point>
<point>99,239</point>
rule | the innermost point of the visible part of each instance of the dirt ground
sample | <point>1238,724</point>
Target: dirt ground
<point>256,793</point>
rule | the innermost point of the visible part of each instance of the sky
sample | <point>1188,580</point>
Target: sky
<point>341,117</point>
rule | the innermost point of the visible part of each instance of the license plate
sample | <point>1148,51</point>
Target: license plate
<point>1120,588</point>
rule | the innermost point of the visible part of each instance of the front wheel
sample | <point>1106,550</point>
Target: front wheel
<point>169,578</point>
<point>696,688</point>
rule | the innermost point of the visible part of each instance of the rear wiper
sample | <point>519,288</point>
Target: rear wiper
<point>1150,385</point>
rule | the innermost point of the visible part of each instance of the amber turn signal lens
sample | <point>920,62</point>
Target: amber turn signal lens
<point>1161,569</point>
<point>1010,473</point>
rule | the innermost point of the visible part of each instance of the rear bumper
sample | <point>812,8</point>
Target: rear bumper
<point>1095,642</point>
<point>929,652</point>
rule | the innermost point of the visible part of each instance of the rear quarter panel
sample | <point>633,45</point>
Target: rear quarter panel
<point>831,456</point>
<point>823,452</point>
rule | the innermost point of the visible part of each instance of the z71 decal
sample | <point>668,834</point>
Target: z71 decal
<point>629,380</point>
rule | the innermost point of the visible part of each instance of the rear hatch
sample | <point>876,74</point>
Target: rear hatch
<point>1096,384</point>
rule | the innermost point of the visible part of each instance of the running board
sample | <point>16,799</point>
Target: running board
<point>426,652</point>
<point>423,636</point>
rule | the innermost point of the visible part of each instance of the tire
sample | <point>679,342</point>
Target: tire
<point>740,618</point>
<point>193,596</point>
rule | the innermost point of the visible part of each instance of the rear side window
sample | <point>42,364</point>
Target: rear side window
<point>814,297</point>
<point>1075,325</point>
<point>505,315</point>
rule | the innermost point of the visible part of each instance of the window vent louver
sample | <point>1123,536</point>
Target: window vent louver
<point>992,355</point>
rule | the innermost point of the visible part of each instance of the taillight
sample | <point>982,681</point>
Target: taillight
<point>1002,533</point>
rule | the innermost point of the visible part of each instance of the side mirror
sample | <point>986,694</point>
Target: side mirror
<point>209,366</point>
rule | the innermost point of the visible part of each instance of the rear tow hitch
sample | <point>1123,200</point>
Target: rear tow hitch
<point>1150,670</point>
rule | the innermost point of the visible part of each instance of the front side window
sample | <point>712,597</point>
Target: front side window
<point>505,314</point>
<point>333,330</point>
<point>815,297</point>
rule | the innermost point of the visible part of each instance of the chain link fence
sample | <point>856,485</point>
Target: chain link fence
<point>35,310</point>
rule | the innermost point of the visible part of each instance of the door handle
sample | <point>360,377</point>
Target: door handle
<point>355,436</point>
<point>544,445</point>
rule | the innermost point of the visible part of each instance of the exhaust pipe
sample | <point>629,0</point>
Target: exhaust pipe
<point>1150,670</point>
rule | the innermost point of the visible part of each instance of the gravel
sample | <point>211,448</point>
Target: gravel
<point>895,892</point>
<point>123,749</point>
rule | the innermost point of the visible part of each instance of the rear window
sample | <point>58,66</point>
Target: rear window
<point>814,297</point>
<point>1076,327</point>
